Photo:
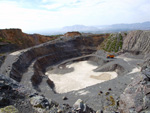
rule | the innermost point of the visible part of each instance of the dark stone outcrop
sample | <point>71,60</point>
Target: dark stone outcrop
<point>11,93</point>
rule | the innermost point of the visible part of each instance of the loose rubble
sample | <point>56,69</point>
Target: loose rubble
<point>16,99</point>
<point>136,97</point>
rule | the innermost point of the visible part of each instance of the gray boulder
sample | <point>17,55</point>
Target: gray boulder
<point>39,102</point>
<point>80,107</point>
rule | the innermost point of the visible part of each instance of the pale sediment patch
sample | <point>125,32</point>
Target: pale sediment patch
<point>103,76</point>
<point>15,53</point>
<point>18,52</point>
<point>83,92</point>
<point>79,78</point>
<point>135,70</point>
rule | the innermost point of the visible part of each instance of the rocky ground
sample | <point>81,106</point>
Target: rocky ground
<point>24,86</point>
<point>16,99</point>
<point>101,92</point>
<point>100,97</point>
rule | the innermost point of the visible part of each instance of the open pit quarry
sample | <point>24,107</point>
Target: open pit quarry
<point>69,74</point>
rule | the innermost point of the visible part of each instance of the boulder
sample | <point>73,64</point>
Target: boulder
<point>81,107</point>
<point>39,102</point>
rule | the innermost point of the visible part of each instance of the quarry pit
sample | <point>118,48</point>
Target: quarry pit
<point>77,75</point>
<point>74,68</point>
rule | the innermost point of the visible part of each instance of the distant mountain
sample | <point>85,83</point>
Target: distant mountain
<point>107,28</point>
<point>135,26</point>
<point>80,28</point>
<point>99,28</point>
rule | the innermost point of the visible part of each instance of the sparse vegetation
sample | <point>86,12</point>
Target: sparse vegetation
<point>112,44</point>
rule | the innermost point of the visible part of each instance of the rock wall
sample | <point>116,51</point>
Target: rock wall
<point>137,41</point>
<point>47,54</point>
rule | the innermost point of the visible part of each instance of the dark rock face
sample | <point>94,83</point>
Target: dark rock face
<point>11,93</point>
<point>4,48</point>
<point>2,59</point>
<point>138,41</point>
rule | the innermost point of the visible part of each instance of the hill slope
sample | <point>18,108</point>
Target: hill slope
<point>137,41</point>
<point>15,39</point>
<point>113,43</point>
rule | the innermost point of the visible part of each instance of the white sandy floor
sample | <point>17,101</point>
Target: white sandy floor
<point>82,76</point>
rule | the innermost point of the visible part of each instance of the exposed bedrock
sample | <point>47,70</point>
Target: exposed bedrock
<point>44,55</point>
<point>137,42</point>
<point>136,97</point>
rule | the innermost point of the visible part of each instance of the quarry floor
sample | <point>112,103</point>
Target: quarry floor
<point>79,80</point>
<point>73,76</point>
<point>81,76</point>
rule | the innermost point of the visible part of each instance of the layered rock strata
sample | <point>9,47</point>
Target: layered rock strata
<point>44,55</point>
<point>137,41</point>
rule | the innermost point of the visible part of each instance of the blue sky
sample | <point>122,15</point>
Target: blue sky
<point>31,15</point>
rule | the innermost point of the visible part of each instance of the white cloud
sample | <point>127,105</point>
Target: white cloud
<point>51,6</point>
<point>44,1</point>
<point>14,16</point>
<point>86,12</point>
